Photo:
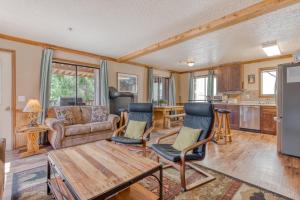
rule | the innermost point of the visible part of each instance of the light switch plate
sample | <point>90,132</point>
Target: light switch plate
<point>21,98</point>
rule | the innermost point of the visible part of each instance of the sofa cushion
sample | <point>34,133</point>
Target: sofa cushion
<point>99,114</point>
<point>77,129</point>
<point>86,114</point>
<point>100,126</point>
<point>65,114</point>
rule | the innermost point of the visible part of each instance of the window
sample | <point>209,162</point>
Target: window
<point>160,90</point>
<point>201,87</point>
<point>73,85</point>
<point>267,82</point>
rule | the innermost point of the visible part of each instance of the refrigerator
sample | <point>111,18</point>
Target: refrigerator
<point>288,110</point>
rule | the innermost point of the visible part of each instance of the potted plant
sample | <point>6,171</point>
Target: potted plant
<point>163,102</point>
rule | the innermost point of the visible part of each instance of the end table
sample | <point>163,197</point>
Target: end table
<point>32,139</point>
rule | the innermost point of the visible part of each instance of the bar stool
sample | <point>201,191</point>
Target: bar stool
<point>223,131</point>
<point>216,122</point>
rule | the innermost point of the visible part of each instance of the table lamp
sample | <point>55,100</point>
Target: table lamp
<point>33,107</point>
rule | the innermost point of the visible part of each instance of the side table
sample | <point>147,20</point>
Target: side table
<point>32,134</point>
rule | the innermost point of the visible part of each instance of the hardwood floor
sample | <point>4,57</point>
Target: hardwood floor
<point>251,157</point>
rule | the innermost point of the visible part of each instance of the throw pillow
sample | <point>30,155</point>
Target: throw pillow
<point>65,115</point>
<point>99,114</point>
<point>135,129</point>
<point>186,137</point>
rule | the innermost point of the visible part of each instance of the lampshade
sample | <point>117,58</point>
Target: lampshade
<point>33,106</point>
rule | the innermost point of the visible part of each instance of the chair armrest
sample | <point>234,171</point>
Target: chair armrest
<point>56,132</point>
<point>186,150</point>
<point>119,131</point>
<point>113,119</point>
<point>54,124</point>
<point>174,132</point>
<point>147,132</point>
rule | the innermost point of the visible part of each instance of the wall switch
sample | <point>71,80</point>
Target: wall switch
<point>21,99</point>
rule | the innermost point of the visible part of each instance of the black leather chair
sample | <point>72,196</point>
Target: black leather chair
<point>197,116</point>
<point>137,112</point>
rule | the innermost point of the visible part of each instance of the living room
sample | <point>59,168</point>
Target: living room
<point>181,62</point>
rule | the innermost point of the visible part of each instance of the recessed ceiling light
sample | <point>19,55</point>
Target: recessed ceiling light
<point>271,48</point>
<point>190,63</point>
<point>70,29</point>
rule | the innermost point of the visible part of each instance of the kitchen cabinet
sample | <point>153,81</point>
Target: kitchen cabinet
<point>267,123</point>
<point>229,78</point>
<point>234,115</point>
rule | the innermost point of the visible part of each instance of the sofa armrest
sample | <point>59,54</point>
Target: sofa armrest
<point>56,133</point>
<point>113,119</point>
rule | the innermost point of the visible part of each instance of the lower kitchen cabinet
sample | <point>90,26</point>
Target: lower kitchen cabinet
<point>234,115</point>
<point>267,123</point>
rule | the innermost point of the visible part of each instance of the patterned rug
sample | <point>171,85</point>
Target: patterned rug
<point>31,184</point>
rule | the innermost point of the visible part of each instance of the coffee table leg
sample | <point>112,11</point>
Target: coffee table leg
<point>161,183</point>
<point>48,176</point>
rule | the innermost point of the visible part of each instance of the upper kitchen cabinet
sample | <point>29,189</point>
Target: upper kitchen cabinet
<point>230,78</point>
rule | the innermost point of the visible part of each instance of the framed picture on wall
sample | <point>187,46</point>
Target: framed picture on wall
<point>251,78</point>
<point>127,83</point>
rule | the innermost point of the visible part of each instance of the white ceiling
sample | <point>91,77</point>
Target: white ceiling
<point>240,42</point>
<point>118,27</point>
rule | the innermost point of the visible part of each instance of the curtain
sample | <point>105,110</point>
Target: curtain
<point>150,85</point>
<point>191,86</point>
<point>45,86</point>
<point>210,84</point>
<point>103,85</point>
<point>172,91</point>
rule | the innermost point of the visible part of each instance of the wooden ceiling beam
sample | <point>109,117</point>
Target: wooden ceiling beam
<point>258,9</point>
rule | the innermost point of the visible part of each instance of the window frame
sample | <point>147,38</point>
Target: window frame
<point>261,70</point>
<point>76,77</point>
<point>204,76</point>
<point>166,86</point>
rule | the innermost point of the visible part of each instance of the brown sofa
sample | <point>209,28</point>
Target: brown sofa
<point>82,129</point>
<point>2,166</point>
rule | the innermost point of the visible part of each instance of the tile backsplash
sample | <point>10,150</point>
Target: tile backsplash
<point>250,95</point>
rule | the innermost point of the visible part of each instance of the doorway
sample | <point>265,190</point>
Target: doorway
<point>7,96</point>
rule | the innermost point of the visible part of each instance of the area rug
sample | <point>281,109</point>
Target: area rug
<point>31,184</point>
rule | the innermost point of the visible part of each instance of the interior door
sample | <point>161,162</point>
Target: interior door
<point>5,97</point>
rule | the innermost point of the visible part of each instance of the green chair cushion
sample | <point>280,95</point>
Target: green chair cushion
<point>135,129</point>
<point>186,137</point>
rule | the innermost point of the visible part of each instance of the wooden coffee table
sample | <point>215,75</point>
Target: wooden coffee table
<point>98,170</point>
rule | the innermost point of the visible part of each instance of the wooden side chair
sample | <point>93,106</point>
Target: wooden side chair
<point>137,112</point>
<point>2,165</point>
<point>198,116</point>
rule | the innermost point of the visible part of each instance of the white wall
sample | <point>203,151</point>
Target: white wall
<point>254,69</point>
<point>28,60</point>
<point>141,72</point>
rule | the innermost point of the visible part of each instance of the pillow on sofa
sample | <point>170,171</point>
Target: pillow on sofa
<point>99,114</point>
<point>65,114</point>
<point>186,137</point>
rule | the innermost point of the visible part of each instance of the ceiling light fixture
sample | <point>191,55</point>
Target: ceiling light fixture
<point>190,63</point>
<point>271,48</point>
